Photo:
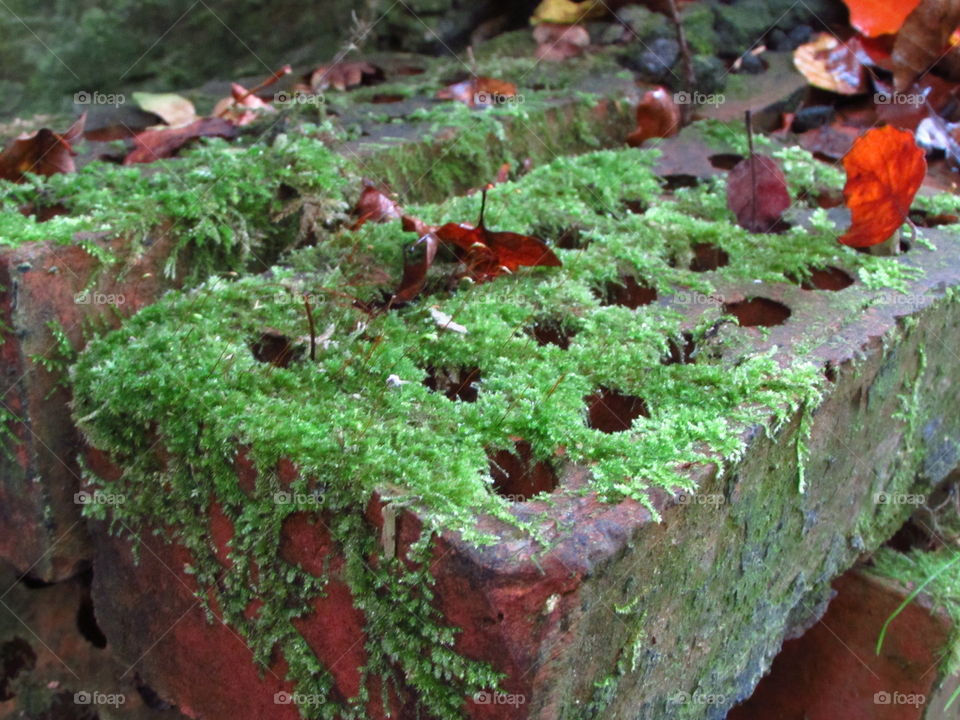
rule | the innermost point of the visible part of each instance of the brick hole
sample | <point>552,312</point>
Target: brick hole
<point>830,372</point>
<point>637,207</point>
<point>33,583</point>
<point>707,256</point>
<point>828,278</point>
<point>457,384</point>
<point>725,161</point>
<point>86,618</point>
<point>611,411</point>
<point>758,312</point>
<point>571,239</point>
<point>16,656</point>
<point>628,293</point>
<point>679,180</point>
<point>551,332</point>
<point>517,476</point>
<point>681,354</point>
<point>275,348</point>
<point>387,98</point>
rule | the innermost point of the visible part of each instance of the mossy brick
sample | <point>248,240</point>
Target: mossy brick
<point>670,562</point>
<point>227,208</point>
<point>834,669</point>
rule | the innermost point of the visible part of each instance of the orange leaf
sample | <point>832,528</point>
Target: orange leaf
<point>657,116</point>
<point>832,65</point>
<point>884,171</point>
<point>873,17</point>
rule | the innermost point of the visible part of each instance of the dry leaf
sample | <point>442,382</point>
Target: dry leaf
<point>924,41</point>
<point>832,65</point>
<point>43,152</point>
<point>657,116</point>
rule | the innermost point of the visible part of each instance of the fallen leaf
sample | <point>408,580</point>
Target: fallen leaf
<point>479,91</point>
<point>884,171</point>
<point>344,75</point>
<point>43,152</point>
<point>924,41</point>
<point>657,116</point>
<point>874,18</point>
<point>412,224</point>
<point>757,193</point>
<point>832,65</point>
<point>418,256</point>
<point>242,107</point>
<point>153,145</point>
<point>559,42</point>
<point>174,110</point>
<point>567,12</point>
<point>374,205</point>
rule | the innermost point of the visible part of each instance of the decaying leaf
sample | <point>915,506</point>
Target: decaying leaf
<point>757,193</point>
<point>375,205</point>
<point>828,63</point>
<point>657,116</point>
<point>884,171</point>
<point>879,17</point>
<point>344,75</point>
<point>242,107</point>
<point>152,145</point>
<point>174,110</point>
<point>43,152</point>
<point>418,256</point>
<point>479,91</point>
<point>559,42</point>
<point>924,42</point>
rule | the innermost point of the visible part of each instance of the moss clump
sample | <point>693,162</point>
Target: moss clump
<point>359,419</point>
<point>223,203</point>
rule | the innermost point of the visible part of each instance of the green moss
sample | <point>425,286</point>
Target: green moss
<point>359,419</point>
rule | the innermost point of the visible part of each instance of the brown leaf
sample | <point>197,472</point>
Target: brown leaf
<point>832,65</point>
<point>757,193</point>
<point>657,116</point>
<point>374,205</point>
<point>559,42</point>
<point>152,145</point>
<point>43,152</point>
<point>418,256</point>
<point>884,171</point>
<point>924,42</point>
<point>344,75</point>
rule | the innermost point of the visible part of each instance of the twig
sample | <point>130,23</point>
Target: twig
<point>689,78</point>
<point>266,83</point>
<point>753,168</point>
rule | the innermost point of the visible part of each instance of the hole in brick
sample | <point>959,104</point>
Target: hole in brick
<point>571,239</point>
<point>551,332</point>
<point>681,354</point>
<point>517,477</point>
<point>87,619</point>
<point>905,246</point>
<point>707,256</point>
<point>275,348</point>
<point>725,161</point>
<point>628,292</point>
<point>830,372</point>
<point>16,656</point>
<point>33,583</point>
<point>457,384</point>
<point>829,278</point>
<point>758,312</point>
<point>679,180</point>
<point>150,697</point>
<point>386,98</point>
<point>611,411</point>
<point>637,207</point>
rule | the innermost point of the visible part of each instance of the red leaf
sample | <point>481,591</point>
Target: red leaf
<point>657,116</point>
<point>884,171</point>
<point>874,18</point>
<point>375,206</point>
<point>479,91</point>
<point>757,193</point>
<point>156,144</point>
<point>43,152</point>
